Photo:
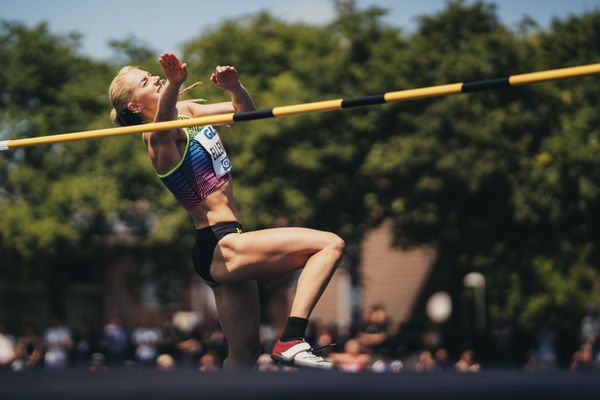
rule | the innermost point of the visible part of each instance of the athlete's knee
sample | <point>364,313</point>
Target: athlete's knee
<point>336,244</point>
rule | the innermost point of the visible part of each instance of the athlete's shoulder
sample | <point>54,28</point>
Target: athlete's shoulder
<point>184,109</point>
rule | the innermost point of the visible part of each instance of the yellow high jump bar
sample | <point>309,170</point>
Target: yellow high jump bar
<point>305,108</point>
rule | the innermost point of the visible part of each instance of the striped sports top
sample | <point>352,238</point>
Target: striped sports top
<point>194,177</point>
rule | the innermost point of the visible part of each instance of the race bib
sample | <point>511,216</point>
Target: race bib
<point>210,140</point>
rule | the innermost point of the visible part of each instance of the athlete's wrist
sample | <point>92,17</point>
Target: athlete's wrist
<point>237,90</point>
<point>176,84</point>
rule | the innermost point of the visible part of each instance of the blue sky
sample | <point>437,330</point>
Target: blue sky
<point>164,29</point>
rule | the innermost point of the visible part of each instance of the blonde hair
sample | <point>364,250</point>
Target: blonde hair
<point>120,95</point>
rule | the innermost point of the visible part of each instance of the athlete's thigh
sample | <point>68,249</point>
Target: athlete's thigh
<point>266,253</point>
<point>239,315</point>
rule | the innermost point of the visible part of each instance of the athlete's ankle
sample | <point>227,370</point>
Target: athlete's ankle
<point>295,329</point>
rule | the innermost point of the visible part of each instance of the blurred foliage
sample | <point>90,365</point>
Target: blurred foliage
<point>506,182</point>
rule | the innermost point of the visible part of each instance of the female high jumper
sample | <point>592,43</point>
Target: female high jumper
<point>193,165</point>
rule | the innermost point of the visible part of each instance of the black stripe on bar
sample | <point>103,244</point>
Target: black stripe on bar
<point>363,101</point>
<point>498,83</point>
<point>250,115</point>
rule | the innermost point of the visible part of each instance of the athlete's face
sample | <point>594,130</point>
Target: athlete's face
<point>146,90</point>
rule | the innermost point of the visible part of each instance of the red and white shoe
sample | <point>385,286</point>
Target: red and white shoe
<point>298,353</point>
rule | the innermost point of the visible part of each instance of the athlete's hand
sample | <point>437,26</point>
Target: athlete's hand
<point>174,70</point>
<point>225,77</point>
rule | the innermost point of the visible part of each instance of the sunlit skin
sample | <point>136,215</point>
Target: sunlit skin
<point>238,260</point>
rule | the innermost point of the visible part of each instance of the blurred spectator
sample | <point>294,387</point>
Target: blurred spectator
<point>169,339</point>
<point>97,363</point>
<point>533,363</point>
<point>146,339</point>
<point>502,332</point>
<point>590,331</point>
<point>426,362</point>
<point>442,362</point>
<point>58,343</point>
<point>590,325</point>
<point>182,341</point>
<point>85,340</point>
<point>209,362</point>
<point>432,337</point>
<point>374,330</point>
<point>165,362</point>
<point>116,339</point>
<point>583,359</point>
<point>467,362</point>
<point>386,364</point>
<point>29,351</point>
<point>189,339</point>
<point>353,359</point>
<point>546,348</point>
<point>7,348</point>
<point>265,363</point>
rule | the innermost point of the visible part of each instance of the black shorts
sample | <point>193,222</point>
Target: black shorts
<point>206,241</point>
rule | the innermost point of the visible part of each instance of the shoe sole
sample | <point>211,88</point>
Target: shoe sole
<point>291,363</point>
<point>282,361</point>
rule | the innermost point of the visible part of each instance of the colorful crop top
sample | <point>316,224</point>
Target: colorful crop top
<point>203,168</point>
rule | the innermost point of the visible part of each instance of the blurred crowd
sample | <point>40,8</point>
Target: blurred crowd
<point>183,342</point>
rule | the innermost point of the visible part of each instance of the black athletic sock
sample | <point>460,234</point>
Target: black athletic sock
<point>295,328</point>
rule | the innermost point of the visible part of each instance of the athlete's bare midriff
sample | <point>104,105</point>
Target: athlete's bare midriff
<point>219,206</point>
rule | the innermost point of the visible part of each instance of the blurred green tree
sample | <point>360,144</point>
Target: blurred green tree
<point>503,182</point>
<point>61,203</point>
